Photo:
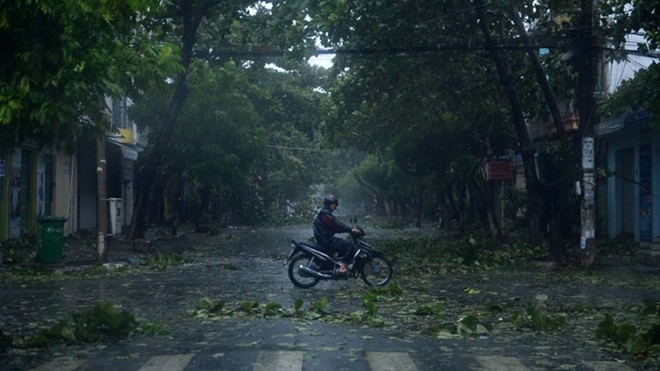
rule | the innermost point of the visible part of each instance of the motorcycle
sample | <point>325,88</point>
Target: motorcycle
<point>309,263</point>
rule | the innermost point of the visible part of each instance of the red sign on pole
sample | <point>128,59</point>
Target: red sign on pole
<point>499,170</point>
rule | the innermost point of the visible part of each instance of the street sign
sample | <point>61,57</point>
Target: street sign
<point>588,153</point>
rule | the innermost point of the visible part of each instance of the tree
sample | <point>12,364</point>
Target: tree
<point>219,141</point>
<point>216,31</point>
<point>406,83</point>
<point>410,62</point>
<point>637,93</point>
<point>192,13</point>
<point>60,61</point>
<point>288,102</point>
<point>624,18</point>
<point>507,76</point>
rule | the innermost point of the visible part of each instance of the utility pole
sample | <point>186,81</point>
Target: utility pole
<point>586,106</point>
<point>102,197</point>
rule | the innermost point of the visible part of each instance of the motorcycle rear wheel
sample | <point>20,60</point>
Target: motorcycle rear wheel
<point>299,278</point>
<point>377,271</point>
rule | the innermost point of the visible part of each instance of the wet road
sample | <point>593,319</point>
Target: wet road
<point>250,267</point>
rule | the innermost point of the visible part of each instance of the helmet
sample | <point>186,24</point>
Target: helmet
<point>329,200</point>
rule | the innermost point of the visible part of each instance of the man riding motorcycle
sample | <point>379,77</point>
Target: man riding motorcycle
<point>326,226</point>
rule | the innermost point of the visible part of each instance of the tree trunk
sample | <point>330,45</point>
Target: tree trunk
<point>491,217</point>
<point>420,196</point>
<point>192,15</point>
<point>539,72</point>
<point>557,247</point>
<point>525,144</point>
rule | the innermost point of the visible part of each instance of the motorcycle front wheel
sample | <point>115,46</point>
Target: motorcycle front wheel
<point>377,271</point>
<point>301,278</point>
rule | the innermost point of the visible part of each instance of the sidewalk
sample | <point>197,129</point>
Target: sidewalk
<point>84,250</point>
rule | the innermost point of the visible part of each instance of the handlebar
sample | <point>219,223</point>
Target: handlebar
<point>359,233</point>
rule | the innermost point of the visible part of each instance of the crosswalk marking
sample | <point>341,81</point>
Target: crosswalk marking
<point>167,363</point>
<point>499,363</point>
<point>390,361</point>
<point>293,361</point>
<point>60,365</point>
<point>279,361</point>
<point>608,366</point>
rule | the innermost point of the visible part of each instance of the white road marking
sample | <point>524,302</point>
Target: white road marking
<point>608,366</point>
<point>293,361</point>
<point>167,363</point>
<point>279,361</point>
<point>60,365</point>
<point>499,363</point>
<point>390,361</point>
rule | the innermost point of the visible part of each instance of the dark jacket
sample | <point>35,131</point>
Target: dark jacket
<point>326,225</point>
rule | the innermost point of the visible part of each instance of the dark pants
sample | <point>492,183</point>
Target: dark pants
<point>342,247</point>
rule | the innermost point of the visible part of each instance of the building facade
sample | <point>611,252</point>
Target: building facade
<point>631,160</point>
<point>38,182</point>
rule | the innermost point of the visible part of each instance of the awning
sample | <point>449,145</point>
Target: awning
<point>128,151</point>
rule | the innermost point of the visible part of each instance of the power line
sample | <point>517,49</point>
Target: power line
<point>274,52</point>
<point>296,148</point>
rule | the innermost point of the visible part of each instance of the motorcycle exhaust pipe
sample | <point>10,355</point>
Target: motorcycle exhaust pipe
<point>314,273</point>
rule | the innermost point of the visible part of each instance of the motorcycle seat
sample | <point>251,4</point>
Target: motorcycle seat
<point>318,247</point>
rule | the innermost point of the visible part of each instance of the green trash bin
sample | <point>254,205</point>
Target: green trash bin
<point>52,239</point>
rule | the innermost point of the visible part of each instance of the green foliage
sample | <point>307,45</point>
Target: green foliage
<point>249,306</point>
<point>218,309</point>
<point>272,309</point>
<point>54,83</point>
<point>101,323</point>
<point>640,92</point>
<point>253,130</point>
<point>163,261</point>
<point>409,110</point>
<point>467,253</point>
<point>476,251</point>
<point>392,290</point>
<point>31,272</point>
<point>536,318</point>
<point>634,340</point>
<point>369,304</point>
<point>433,309</point>
<point>636,94</point>
<point>298,305</point>
<point>622,20</point>
<point>18,251</point>
<point>471,325</point>
<point>650,307</point>
<point>515,202</point>
<point>210,306</point>
<point>322,306</point>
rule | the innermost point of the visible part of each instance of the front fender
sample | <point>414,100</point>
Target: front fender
<point>294,251</point>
